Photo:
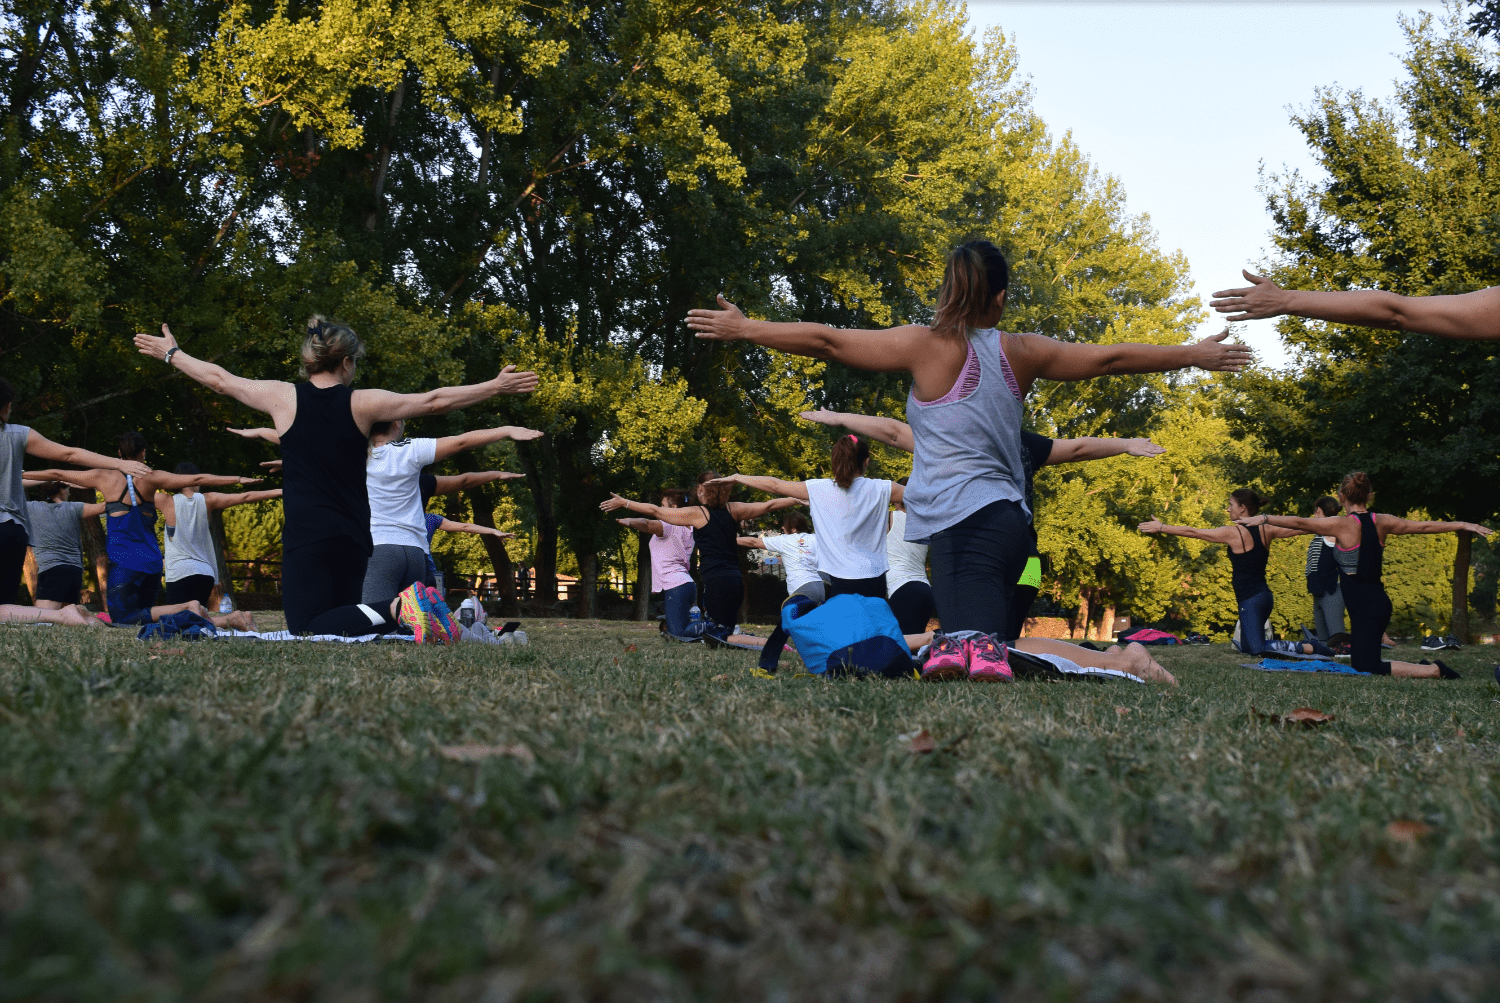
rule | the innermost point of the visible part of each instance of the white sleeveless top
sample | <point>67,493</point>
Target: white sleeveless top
<point>908,560</point>
<point>190,546</point>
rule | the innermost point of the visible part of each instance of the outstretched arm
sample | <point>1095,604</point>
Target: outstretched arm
<point>896,434</point>
<point>371,406</point>
<point>754,510</point>
<point>694,516</point>
<point>770,485</point>
<point>273,397</point>
<point>1220,534</point>
<point>1034,356</point>
<point>751,542</point>
<point>450,444</point>
<point>92,510</point>
<point>268,434</point>
<point>1474,315</point>
<point>449,526</point>
<point>219,500</point>
<point>891,350</point>
<point>449,483</point>
<point>98,480</point>
<point>1401,527</point>
<point>163,481</point>
<point>652,526</point>
<point>1099,448</point>
<point>1343,529</point>
<point>43,448</point>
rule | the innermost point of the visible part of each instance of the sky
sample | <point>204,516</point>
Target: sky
<point>1184,102</point>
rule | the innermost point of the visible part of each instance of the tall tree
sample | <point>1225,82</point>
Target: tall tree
<point>1406,203</point>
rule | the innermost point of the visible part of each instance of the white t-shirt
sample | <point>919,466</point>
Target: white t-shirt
<point>851,526</point>
<point>799,555</point>
<point>908,560</point>
<point>391,476</point>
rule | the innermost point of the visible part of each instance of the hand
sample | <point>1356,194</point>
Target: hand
<point>272,465</point>
<point>612,503</point>
<point>491,531</point>
<point>245,433</point>
<point>156,347</point>
<point>822,416</point>
<point>1152,526</point>
<point>524,434</point>
<point>1257,301</point>
<point>1143,447</point>
<point>1249,520</point>
<point>506,475</point>
<point>512,382</point>
<point>1474,527</point>
<point>1213,355</point>
<point>731,479</point>
<point>248,480</point>
<point>135,468</point>
<point>724,324</point>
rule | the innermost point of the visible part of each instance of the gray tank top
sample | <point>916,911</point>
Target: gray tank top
<point>12,458</point>
<point>967,443</point>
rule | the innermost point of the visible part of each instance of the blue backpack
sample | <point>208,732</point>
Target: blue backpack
<point>847,636</point>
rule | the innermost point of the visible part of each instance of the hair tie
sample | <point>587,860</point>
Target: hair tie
<point>854,437</point>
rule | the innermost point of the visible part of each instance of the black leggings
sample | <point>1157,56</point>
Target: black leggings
<point>722,595</point>
<point>975,567</point>
<point>320,590</point>
<point>912,604</point>
<point>13,544</point>
<point>192,587</point>
<point>1369,615</point>
<point>1020,606</point>
<point>871,588</point>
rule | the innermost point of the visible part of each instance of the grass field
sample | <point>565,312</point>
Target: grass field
<point>257,821</point>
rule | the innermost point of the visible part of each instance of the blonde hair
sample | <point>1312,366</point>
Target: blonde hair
<point>976,273</point>
<point>327,345</point>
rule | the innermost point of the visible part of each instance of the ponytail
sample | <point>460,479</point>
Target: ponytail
<point>327,345</point>
<point>1356,489</point>
<point>977,272</point>
<point>850,454</point>
<point>1249,498</point>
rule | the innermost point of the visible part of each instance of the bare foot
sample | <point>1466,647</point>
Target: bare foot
<point>78,616</point>
<point>238,620</point>
<point>1142,664</point>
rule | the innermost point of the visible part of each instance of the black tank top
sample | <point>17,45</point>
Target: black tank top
<point>323,471</point>
<point>718,551</point>
<point>1371,553</point>
<point>1249,568</point>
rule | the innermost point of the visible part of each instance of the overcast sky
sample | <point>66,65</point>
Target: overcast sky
<point>1183,102</point>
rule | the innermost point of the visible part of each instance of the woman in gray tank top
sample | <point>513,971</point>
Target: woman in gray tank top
<point>966,497</point>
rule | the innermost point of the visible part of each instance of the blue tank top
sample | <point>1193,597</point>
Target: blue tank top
<point>131,533</point>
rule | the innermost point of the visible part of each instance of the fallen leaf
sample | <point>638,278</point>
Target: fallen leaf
<point>169,651</point>
<point>922,742</point>
<point>721,675</point>
<point>1305,716</point>
<point>1407,830</point>
<point>629,647</point>
<point>477,753</point>
<point>617,661</point>
<point>1122,711</point>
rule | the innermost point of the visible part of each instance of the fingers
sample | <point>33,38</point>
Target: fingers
<point>1255,280</point>
<point>1217,337</point>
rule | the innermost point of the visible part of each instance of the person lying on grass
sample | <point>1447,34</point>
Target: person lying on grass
<point>1133,658</point>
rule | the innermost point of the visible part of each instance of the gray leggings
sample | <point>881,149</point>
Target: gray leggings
<point>1328,614</point>
<point>391,570</point>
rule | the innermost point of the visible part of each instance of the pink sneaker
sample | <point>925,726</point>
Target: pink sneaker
<point>946,659</point>
<point>987,660</point>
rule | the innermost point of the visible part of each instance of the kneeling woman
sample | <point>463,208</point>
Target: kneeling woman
<point>1249,549</point>
<point>671,549</point>
<point>1360,542</point>
<point>715,524</point>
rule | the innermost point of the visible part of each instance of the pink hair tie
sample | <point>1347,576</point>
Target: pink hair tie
<point>854,437</point>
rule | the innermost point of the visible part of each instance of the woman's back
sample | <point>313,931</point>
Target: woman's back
<point>1249,567</point>
<point>323,471</point>
<point>12,458</point>
<point>717,543</point>
<point>851,526</point>
<point>968,443</point>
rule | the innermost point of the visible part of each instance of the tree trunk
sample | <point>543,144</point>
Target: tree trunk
<point>505,572</point>
<point>539,481</point>
<point>383,157</point>
<point>643,578</point>
<point>1460,627</point>
<point>1106,631</point>
<point>94,551</point>
<point>588,584</point>
<point>221,552</point>
<point>1079,629</point>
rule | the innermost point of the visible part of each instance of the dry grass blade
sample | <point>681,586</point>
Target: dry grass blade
<point>474,753</point>
<point>1308,717</point>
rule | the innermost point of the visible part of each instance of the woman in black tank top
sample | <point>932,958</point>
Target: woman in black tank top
<point>1360,540</point>
<point>324,426</point>
<point>715,523</point>
<point>1249,550</point>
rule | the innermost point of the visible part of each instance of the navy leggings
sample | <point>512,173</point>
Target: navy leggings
<point>1369,615</point>
<point>678,605</point>
<point>1253,613</point>
<point>975,566</point>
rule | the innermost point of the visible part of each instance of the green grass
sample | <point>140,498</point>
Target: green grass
<point>251,821</point>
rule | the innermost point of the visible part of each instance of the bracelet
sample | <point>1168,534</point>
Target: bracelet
<point>170,352</point>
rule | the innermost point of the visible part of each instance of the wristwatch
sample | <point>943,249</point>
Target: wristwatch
<point>168,358</point>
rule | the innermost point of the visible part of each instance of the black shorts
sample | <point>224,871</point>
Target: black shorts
<point>60,583</point>
<point>192,587</point>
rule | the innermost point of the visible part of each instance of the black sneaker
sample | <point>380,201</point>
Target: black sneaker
<point>1449,641</point>
<point>1433,643</point>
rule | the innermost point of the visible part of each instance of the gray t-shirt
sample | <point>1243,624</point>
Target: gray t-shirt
<point>56,528</point>
<point>12,494</point>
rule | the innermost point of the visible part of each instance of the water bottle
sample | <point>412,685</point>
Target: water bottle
<point>226,604</point>
<point>695,614</point>
<point>466,612</point>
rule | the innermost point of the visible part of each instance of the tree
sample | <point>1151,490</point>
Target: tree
<point>1407,204</point>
